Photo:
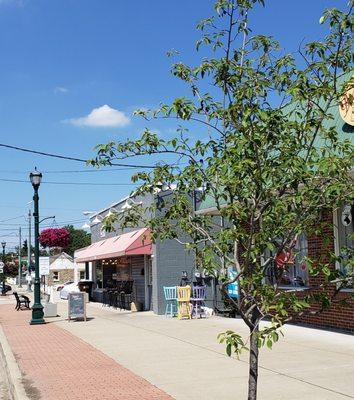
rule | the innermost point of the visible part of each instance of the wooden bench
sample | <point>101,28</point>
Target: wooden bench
<point>22,301</point>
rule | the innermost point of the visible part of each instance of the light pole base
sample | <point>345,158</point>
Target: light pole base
<point>37,315</point>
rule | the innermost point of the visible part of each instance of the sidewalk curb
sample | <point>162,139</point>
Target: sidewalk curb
<point>13,373</point>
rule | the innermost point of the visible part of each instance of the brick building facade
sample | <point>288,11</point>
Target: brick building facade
<point>339,316</point>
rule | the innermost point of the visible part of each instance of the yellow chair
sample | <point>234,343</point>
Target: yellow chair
<point>183,300</point>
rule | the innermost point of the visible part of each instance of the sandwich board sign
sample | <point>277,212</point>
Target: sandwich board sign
<point>77,305</point>
<point>43,266</point>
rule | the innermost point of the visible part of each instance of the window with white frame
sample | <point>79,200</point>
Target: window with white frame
<point>55,275</point>
<point>344,230</point>
<point>82,275</point>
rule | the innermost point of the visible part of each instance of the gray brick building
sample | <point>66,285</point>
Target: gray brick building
<point>149,270</point>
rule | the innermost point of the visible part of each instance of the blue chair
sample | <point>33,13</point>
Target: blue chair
<point>171,300</point>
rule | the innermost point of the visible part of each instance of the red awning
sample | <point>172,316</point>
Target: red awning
<point>128,244</point>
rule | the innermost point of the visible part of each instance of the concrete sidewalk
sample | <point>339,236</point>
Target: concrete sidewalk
<point>184,359</point>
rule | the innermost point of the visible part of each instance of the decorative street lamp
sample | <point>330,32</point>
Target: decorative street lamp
<point>37,308</point>
<point>3,291</point>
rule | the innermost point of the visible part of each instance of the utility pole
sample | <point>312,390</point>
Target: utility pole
<point>19,259</point>
<point>29,252</point>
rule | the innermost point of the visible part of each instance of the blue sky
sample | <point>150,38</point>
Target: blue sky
<point>67,67</point>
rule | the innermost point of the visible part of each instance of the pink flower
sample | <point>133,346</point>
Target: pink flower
<point>54,237</point>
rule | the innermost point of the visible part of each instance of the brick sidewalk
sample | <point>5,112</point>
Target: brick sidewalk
<point>58,365</point>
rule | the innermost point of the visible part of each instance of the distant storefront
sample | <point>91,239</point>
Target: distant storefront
<point>128,255</point>
<point>118,260</point>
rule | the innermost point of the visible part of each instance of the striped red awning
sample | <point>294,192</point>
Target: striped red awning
<point>127,244</point>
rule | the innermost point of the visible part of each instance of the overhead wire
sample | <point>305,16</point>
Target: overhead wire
<point>42,153</point>
<point>11,219</point>
<point>71,171</point>
<point>69,183</point>
<point>59,223</point>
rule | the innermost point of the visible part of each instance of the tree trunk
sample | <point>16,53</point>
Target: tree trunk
<point>253,371</point>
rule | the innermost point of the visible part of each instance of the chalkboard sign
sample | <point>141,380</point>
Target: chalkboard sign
<point>77,305</point>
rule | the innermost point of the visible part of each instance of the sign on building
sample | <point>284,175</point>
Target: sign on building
<point>232,288</point>
<point>1,267</point>
<point>346,106</point>
<point>43,266</point>
<point>346,216</point>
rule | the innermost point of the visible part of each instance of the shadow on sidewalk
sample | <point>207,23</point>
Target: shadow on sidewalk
<point>58,318</point>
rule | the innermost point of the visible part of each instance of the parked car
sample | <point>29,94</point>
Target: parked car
<point>60,287</point>
<point>72,287</point>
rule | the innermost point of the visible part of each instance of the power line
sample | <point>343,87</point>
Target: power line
<point>70,171</point>
<point>69,183</point>
<point>41,226</point>
<point>42,153</point>
<point>89,170</point>
<point>11,219</point>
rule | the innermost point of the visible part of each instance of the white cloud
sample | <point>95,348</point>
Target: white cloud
<point>102,117</point>
<point>60,89</point>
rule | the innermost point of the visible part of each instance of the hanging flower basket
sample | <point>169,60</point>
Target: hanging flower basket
<point>54,237</point>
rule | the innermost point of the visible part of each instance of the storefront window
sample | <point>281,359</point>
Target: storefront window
<point>113,270</point>
<point>124,269</point>
<point>296,273</point>
<point>291,270</point>
<point>99,275</point>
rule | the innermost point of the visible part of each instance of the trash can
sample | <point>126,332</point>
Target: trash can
<point>86,286</point>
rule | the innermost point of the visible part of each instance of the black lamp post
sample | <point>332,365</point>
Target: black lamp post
<point>37,308</point>
<point>3,291</point>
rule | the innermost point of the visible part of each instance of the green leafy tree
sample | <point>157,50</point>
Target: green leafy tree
<point>11,269</point>
<point>24,248</point>
<point>271,164</point>
<point>78,239</point>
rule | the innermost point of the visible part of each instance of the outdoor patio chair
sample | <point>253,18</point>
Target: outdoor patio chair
<point>128,287</point>
<point>171,300</point>
<point>21,301</point>
<point>125,295</point>
<point>198,301</point>
<point>121,300</point>
<point>128,298</point>
<point>105,298</point>
<point>111,298</point>
<point>183,300</point>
